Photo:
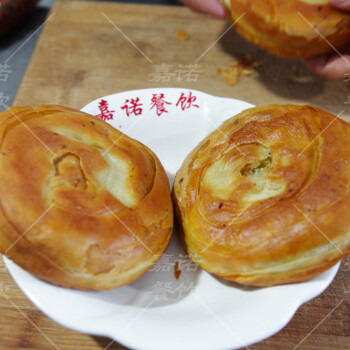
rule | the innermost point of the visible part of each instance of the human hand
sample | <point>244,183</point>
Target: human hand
<point>333,66</point>
<point>211,7</point>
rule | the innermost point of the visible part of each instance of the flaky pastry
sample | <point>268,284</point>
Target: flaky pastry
<point>265,199</point>
<point>82,205</point>
<point>292,28</point>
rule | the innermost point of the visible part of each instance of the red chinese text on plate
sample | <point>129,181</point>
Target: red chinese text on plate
<point>135,105</point>
<point>187,102</point>
<point>132,106</point>
<point>105,114</point>
<point>159,103</point>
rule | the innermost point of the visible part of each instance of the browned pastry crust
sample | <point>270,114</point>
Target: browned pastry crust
<point>265,199</point>
<point>82,205</point>
<point>293,28</point>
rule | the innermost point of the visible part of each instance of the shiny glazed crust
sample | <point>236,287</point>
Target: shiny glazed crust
<point>293,28</point>
<point>265,199</point>
<point>82,205</point>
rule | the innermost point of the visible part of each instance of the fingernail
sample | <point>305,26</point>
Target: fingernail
<point>218,10</point>
<point>341,4</point>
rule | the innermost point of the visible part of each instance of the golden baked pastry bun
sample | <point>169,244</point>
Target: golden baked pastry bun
<point>82,205</point>
<point>292,28</point>
<point>265,199</point>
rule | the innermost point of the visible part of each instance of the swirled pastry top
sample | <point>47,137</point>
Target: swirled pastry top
<point>293,28</point>
<point>82,205</point>
<point>265,198</point>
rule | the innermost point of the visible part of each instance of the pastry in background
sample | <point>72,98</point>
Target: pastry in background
<point>12,12</point>
<point>293,28</point>
<point>82,205</point>
<point>265,199</point>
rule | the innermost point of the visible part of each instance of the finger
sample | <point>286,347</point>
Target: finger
<point>341,4</point>
<point>211,7</point>
<point>333,66</point>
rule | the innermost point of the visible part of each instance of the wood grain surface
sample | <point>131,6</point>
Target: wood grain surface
<point>88,50</point>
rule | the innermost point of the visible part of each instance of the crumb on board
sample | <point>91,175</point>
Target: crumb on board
<point>182,35</point>
<point>245,67</point>
<point>177,270</point>
<point>303,79</point>
<point>300,76</point>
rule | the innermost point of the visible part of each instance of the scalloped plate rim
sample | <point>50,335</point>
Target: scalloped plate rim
<point>67,322</point>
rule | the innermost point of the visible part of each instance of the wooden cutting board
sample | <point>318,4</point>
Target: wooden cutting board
<point>90,49</point>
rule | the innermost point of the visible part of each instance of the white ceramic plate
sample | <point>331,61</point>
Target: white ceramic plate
<point>198,311</point>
